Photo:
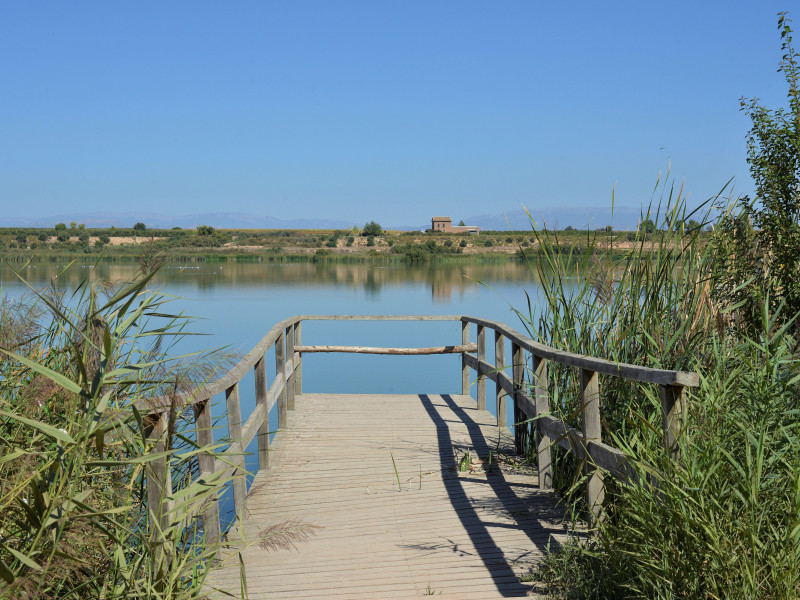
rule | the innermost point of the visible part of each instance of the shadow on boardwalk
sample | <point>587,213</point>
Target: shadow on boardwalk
<point>379,474</point>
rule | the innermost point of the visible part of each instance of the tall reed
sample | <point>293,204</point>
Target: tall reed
<point>724,521</point>
<point>73,516</point>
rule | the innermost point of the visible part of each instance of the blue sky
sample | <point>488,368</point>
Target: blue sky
<point>390,111</point>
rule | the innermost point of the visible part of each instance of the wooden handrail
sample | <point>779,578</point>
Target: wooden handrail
<point>530,398</point>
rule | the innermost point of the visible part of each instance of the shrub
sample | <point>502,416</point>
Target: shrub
<point>372,228</point>
<point>370,240</point>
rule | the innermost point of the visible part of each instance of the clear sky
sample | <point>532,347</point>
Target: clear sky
<point>378,110</point>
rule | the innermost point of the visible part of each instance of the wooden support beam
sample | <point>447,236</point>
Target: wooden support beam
<point>481,357</point>
<point>298,371</point>
<point>673,414</point>
<point>260,374</point>
<point>290,352</point>
<point>235,436</point>
<point>542,400</point>
<point>590,401</point>
<point>499,365</point>
<point>204,433</point>
<point>518,377</point>
<point>464,367</point>
<point>280,373</point>
<point>159,487</point>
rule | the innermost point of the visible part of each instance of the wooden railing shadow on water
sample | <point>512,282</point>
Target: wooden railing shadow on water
<point>527,388</point>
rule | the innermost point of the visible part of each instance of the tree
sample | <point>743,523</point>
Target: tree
<point>461,223</point>
<point>140,226</point>
<point>205,230</point>
<point>773,153</point>
<point>692,225</point>
<point>73,225</point>
<point>648,226</point>
<point>60,227</point>
<point>372,228</point>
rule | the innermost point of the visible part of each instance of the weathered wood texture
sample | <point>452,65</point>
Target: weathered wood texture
<point>395,351</point>
<point>464,535</point>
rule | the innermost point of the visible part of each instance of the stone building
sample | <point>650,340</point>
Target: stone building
<point>445,225</point>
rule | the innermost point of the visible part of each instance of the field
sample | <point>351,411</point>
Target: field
<point>209,244</point>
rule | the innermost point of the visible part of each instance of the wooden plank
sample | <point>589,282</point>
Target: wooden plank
<point>541,398</point>
<point>290,352</point>
<point>464,368</point>
<point>500,365</point>
<point>518,375</point>
<point>481,359</point>
<point>467,535</point>
<point>204,432</point>
<point>234,414</point>
<point>280,373</point>
<point>262,394</point>
<point>298,359</point>
<point>379,317</point>
<point>393,351</point>
<point>590,423</point>
<point>598,365</point>
<point>673,414</point>
<point>159,488</point>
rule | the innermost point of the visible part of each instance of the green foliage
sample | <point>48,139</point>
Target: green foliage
<point>104,238</point>
<point>647,225</point>
<point>75,519</point>
<point>724,521</point>
<point>60,226</point>
<point>205,230</point>
<point>140,227</point>
<point>771,251</point>
<point>462,244</point>
<point>372,228</point>
<point>370,240</point>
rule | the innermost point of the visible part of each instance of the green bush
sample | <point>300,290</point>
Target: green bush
<point>372,228</point>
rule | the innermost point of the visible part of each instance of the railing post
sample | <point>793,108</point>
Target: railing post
<point>590,400</point>
<point>518,372</point>
<point>235,435</point>
<point>542,399</point>
<point>290,357</point>
<point>298,369</point>
<point>159,486</point>
<point>499,365</point>
<point>464,367</point>
<point>280,372</point>
<point>673,414</point>
<point>481,358</point>
<point>260,373</point>
<point>204,433</point>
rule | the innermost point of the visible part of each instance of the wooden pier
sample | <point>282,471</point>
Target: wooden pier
<point>400,495</point>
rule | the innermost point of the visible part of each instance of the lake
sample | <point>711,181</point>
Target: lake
<point>237,303</point>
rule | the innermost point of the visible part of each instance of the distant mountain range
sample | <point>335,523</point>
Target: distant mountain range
<point>624,217</point>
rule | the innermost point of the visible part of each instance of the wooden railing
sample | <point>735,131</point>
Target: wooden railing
<point>527,387</point>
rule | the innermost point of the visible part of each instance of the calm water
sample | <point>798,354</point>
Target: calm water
<point>237,303</point>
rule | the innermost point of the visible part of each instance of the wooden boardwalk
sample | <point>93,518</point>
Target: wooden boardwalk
<point>439,532</point>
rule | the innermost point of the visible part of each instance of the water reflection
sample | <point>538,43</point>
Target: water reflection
<point>443,280</point>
